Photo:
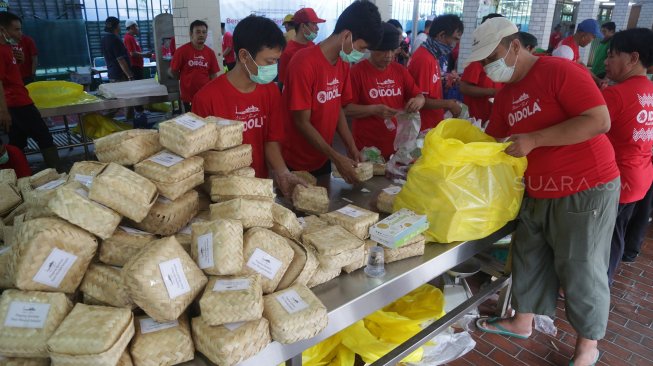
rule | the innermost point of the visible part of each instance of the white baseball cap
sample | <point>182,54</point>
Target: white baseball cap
<point>488,36</point>
<point>130,22</point>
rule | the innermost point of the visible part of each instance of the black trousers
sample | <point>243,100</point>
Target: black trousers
<point>637,227</point>
<point>624,213</point>
<point>26,122</point>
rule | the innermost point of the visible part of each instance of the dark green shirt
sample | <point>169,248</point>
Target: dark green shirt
<point>601,53</point>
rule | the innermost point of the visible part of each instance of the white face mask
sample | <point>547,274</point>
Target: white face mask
<point>498,71</point>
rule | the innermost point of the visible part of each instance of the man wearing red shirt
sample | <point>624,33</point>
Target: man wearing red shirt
<point>587,30</point>
<point>12,158</point>
<point>381,88</point>
<point>18,115</point>
<point>316,88</point>
<point>194,63</point>
<point>630,102</point>
<point>555,38</point>
<point>247,94</point>
<point>424,66</point>
<point>306,28</point>
<point>572,186</point>
<point>136,54</point>
<point>228,48</point>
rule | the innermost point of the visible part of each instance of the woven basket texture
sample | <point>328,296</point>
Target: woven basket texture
<point>379,169</point>
<point>227,348</point>
<point>25,362</point>
<point>124,191</point>
<point>185,141</point>
<point>164,347</point>
<point>10,198</point>
<point>86,168</point>
<point>227,188</point>
<point>303,266</point>
<point>8,176</point>
<point>364,171</point>
<point>312,200</point>
<point>311,224</point>
<point>272,245</point>
<point>359,226</point>
<point>104,284</point>
<point>252,213</point>
<point>121,246</point>
<point>92,335</point>
<point>285,222</point>
<point>127,147</point>
<point>222,162</point>
<point>229,133</point>
<point>242,172</point>
<point>414,248</point>
<point>332,240</point>
<point>225,239</point>
<point>323,275</point>
<point>43,177</point>
<point>242,303</point>
<point>142,276</point>
<point>168,217</point>
<point>175,180</point>
<point>38,239</point>
<point>385,201</point>
<point>7,265</point>
<point>31,342</point>
<point>360,257</point>
<point>302,324</point>
<point>125,359</point>
<point>306,176</point>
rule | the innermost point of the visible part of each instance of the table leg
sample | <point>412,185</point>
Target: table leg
<point>67,127</point>
<point>504,300</point>
<point>295,361</point>
<point>83,133</point>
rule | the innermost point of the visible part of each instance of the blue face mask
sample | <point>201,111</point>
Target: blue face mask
<point>265,74</point>
<point>4,158</point>
<point>353,57</point>
<point>311,35</point>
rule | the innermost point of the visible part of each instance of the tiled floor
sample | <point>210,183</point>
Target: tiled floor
<point>629,338</point>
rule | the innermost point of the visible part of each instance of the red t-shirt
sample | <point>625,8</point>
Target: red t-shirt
<point>291,48</point>
<point>554,39</point>
<point>424,68</point>
<point>548,95</point>
<point>312,83</point>
<point>479,107</point>
<point>132,45</point>
<point>28,47</point>
<point>228,41</point>
<point>194,67</point>
<point>369,85</point>
<point>571,43</point>
<point>631,110</point>
<point>258,110</point>
<point>17,162</point>
<point>16,94</point>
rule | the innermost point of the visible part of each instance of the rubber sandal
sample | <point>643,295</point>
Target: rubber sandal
<point>500,330</point>
<point>598,355</point>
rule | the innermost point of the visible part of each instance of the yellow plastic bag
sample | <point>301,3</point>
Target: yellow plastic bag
<point>51,94</point>
<point>97,125</point>
<point>464,182</point>
<point>329,352</point>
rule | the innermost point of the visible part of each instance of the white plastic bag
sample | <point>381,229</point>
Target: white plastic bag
<point>446,347</point>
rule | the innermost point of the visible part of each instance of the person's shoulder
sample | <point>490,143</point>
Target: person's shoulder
<point>361,66</point>
<point>13,150</point>
<point>304,58</point>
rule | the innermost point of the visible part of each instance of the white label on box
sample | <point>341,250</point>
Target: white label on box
<point>189,122</point>
<point>231,285</point>
<point>51,185</point>
<point>133,231</point>
<point>149,325</point>
<point>205,251</point>
<point>233,326</point>
<point>4,250</point>
<point>392,190</point>
<point>54,268</point>
<point>82,192</point>
<point>27,315</point>
<point>351,212</point>
<point>302,222</point>
<point>86,180</point>
<point>174,278</point>
<point>291,301</point>
<point>264,263</point>
<point>166,159</point>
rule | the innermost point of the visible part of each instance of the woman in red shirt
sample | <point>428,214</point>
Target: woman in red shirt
<point>630,102</point>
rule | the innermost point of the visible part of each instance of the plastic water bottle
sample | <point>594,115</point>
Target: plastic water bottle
<point>375,267</point>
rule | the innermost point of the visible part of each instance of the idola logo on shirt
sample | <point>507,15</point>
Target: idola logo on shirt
<point>250,117</point>
<point>385,89</point>
<point>198,61</point>
<point>646,114</point>
<point>525,112</point>
<point>331,93</point>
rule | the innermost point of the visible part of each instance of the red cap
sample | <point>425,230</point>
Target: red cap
<point>306,15</point>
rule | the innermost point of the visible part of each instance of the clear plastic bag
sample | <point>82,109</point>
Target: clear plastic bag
<point>408,125</point>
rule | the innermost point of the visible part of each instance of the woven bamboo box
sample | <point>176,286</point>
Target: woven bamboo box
<point>222,162</point>
<point>163,280</point>
<point>414,248</point>
<point>43,177</point>
<point>123,244</point>
<point>125,359</point>
<point>10,198</point>
<point>229,133</point>
<point>127,147</point>
<point>355,219</point>
<point>232,299</point>
<point>168,217</point>
<point>364,171</point>
<point>104,284</point>
<point>226,347</point>
<point>85,171</point>
<point>335,246</point>
<point>29,318</point>
<point>92,335</point>
<point>361,257</point>
<point>285,222</point>
<point>7,265</point>
<point>12,361</point>
<point>251,213</point>
<point>52,255</point>
<point>8,176</point>
<point>311,224</point>
<point>294,314</point>
<point>217,246</point>
<point>306,176</point>
<point>124,191</point>
<point>37,199</point>
<point>247,171</point>
<point>90,300</point>
<point>323,275</point>
<point>379,169</point>
<point>24,185</point>
<point>71,203</point>
<point>227,188</point>
<point>174,180</point>
<point>303,266</point>
<point>312,200</point>
<point>386,198</point>
<point>267,254</point>
<point>187,135</point>
<point>161,344</point>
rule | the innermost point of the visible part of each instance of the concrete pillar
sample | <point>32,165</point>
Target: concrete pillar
<point>470,21</point>
<point>621,13</point>
<point>588,9</point>
<point>542,12</point>
<point>186,11</point>
<point>646,15</point>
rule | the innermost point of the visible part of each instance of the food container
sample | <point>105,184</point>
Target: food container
<point>227,188</point>
<point>229,344</point>
<point>285,222</point>
<point>43,177</point>
<point>323,275</point>
<point>217,246</point>
<point>364,171</point>
<point>8,176</point>
<point>414,248</point>
<point>311,224</point>
<point>267,254</point>
<point>168,217</point>
<point>10,198</point>
<point>387,198</point>
<point>172,174</point>
<point>335,246</point>
<point>355,219</point>
<point>229,133</point>
<point>302,268</point>
<point>295,314</point>
<point>187,135</point>
<point>306,176</point>
<point>84,172</point>
<point>251,213</point>
<point>104,284</point>
<point>7,265</point>
<point>222,162</point>
<point>125,243</point>
<point>232,299</point>
<point>127,147</point>
<point>360,257</point>
<point>399,228</point>
<point>312,200</point>
<point>161,344</point>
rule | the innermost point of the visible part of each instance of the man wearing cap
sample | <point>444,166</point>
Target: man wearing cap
<point>114,52</point>
<point>136,61</point>
<point>568,48</point>
<point>381,88</point>
<point>289,25</point>
<point>306,27</point>
<point>572,186</point>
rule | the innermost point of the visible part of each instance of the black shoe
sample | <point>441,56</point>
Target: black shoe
<point>628,259</point>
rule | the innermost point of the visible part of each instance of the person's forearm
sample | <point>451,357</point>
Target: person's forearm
<point>274,158</point>
<point>359,110</point>
<point>575,130</point>
<point>125,68</point>
<point>472,90</point>
<point>303,123</point>
<point>35,63</point>
<point>431,103</point>
<point>345,133</point>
